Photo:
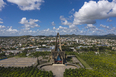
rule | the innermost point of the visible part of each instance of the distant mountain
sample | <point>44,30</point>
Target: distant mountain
<point>51,35</point>
<point>110,35</point>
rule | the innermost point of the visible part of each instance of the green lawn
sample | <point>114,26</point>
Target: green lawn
<point>102,63</point>
<point>84,63</point>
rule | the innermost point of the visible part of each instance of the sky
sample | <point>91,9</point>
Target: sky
<point>48,17</point>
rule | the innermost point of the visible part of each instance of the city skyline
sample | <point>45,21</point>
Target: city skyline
<point>42,17</point>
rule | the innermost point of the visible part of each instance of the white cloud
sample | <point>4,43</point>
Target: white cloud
<point>108,29</point>
<point>90,26</point>
<point>60,28</point>
<point>53,24</point>
<point>1,22</point>
<point>31,23</point>
<point>93,10</point>
<point>28,32</point>
<point>8,31</point>
<point>62,18</point>
<point>70,17</point>
<point>2,4</point>
<point>12,30</point>
<point>72,26</point>
<point>72,11</point>
<point>54,28</point>
<point>104,26</point>
<point>65,30</point>
<point>64,21</point>
<point>47,29</point>
<point>2,26</point>
<point>46,32</point>
<point>88,30</point>
<point>0,18</point>
<point>113,30</point>
<point>27,4</point>
<point>109,20</point>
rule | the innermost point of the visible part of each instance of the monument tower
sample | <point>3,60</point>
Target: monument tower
<point>57,55</point>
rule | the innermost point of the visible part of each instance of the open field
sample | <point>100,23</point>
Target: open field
<point>18,62</point>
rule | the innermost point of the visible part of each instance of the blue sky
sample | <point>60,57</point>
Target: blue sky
<point>47,17</point>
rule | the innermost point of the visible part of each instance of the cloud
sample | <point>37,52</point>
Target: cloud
<point>70,17</point>
<point>12,30</point>
<point>108,20</point>
<point>2,4</point>
<point>46,32</point>
<point>28,4</point>
<point>90,26</point>
<point>53,24</point>
<point>60,28</point>
<point>64,21</point>
<point>113,30</point>
<point>65,30</point>
<point>108,29</point>
<point>31,23</point>
<point>72,11</point>
<point>8,31</point>
<point>104,26</point>
<point>93,10</point>
<point>46,29</point>
<point>88,30</point>
<point>2,26</point>
<point>28,32</point>
<point>54,28</point>
<point>1,21</point>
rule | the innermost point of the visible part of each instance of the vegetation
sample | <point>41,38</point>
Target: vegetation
<point>81,73</point>
<point>103,64</point>
<point>2,55</point>
<point>24,72</point>
<point>66,48</point>
<point>69,59</point>
<point>70,53</point>
<point>23,54</point>
<point>95,48</point>
<point>37,54</point>
<point>84,63</point>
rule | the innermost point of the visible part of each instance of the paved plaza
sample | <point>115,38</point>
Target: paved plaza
<point>57,69</point>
